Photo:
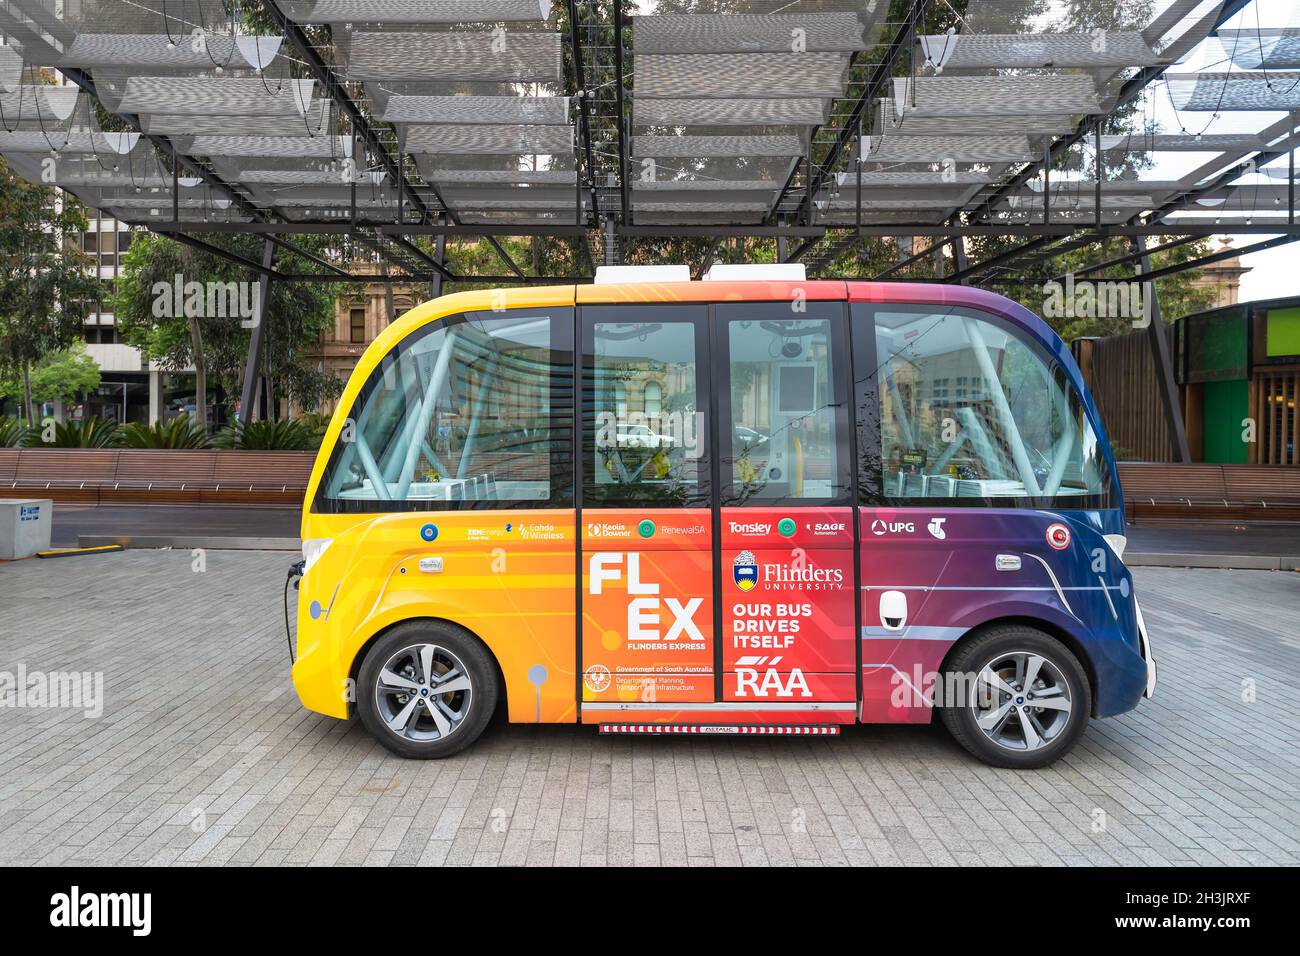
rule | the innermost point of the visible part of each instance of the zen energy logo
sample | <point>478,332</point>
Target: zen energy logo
<point>208,300</point>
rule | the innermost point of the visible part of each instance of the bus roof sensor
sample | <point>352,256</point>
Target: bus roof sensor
<point>618,275</point>
<point>762,271</point>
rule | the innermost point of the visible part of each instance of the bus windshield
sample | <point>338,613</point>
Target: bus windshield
<point>460,410</point>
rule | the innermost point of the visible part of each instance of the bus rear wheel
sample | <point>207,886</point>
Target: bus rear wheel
<point>426,690</point>
<point>1026,697</point>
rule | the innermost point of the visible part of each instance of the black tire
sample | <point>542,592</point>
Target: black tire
<point>476,704</point>
<point>996,644</point>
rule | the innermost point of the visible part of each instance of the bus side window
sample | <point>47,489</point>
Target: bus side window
<point>969,408</point>
<point>645,432</point>
<point>473,409</point>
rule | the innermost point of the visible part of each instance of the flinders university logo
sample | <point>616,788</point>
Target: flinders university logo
<point>744,571</point>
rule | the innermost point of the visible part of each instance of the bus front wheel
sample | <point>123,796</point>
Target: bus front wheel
<point>426,689</point>
<point>1025,699</point>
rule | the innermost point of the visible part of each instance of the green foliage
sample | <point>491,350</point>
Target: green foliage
<point>318,424</point>
<point>296,314</point>
<point>45,290</point>
<point>180,432</point>
<point>65,374</point>
<point>293,435</point>
<point>89,433</point>
<point>12,432</point>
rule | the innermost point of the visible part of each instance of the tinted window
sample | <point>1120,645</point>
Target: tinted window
<point>644,430</point>
<point>970,408</point>
<point>783,415</point>
<point>473,411</point>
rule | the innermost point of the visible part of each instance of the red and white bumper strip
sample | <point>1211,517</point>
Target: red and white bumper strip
<point>755,730</point>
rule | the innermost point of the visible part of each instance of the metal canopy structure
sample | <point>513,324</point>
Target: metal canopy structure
<point>821,123</point>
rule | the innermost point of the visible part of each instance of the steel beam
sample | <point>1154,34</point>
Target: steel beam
<point>324,75</point>
<point>1159,341</point>
<point>879,76</point>
<point>257,338</point>
<point>624,192</point>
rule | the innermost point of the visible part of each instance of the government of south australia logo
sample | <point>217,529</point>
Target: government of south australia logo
<point>744,571</point>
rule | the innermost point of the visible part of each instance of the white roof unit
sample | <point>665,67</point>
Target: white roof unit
<point>767,271</point>
<point>619,275</point>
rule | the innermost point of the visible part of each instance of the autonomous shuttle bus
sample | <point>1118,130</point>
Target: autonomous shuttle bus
<point>742,507</point>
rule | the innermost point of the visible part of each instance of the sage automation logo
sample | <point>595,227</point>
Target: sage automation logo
<point>744,571</point>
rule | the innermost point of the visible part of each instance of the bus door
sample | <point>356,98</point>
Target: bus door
<point>788,618</point>
<point>647,628</point>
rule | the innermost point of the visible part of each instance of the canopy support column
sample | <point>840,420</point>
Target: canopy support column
<point>1164,365</point>
<point>257,339</point>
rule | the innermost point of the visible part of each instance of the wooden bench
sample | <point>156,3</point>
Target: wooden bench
<point>160,475</point>
<point>64,474</point>
<point>125,475</point>
<point>1272,492</point>
<point>8,466</point>
<point>1216,492</point>
<point>270,477</point>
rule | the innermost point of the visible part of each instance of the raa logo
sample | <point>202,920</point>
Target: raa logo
<point>744,571</point>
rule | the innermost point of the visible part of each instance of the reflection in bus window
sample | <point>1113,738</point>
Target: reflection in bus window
<point>968,409</point>
<point>645,430</point>
<point>456,412</point>
<point>783,411</point>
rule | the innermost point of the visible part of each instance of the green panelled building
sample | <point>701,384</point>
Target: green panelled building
<point>1235,366</point>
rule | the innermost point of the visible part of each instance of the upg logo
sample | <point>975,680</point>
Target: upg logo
<point>879,527</point>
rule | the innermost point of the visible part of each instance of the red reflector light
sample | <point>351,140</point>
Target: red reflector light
<point>1058,536</point>
<point>753,730</point>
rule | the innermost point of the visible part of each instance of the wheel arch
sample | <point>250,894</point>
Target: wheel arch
<point>354,669</point>
<point>1051,629</point>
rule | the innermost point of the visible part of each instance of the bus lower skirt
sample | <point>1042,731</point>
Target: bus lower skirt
<point>749,730</point>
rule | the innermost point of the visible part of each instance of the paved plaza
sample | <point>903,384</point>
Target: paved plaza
<point>203,755</point>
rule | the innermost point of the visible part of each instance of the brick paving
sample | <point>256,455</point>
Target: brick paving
<point>203,756</point>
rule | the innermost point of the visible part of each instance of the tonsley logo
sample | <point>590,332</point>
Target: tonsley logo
<point>75,908</point>
<point>750,527</point>
<point>879,527</point>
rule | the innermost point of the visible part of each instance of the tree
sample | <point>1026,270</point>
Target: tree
<point>187,307</point>
<point>65,374</point>
<point>45,288</point>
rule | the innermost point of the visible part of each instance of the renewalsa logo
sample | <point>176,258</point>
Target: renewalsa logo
<point>74,909</point>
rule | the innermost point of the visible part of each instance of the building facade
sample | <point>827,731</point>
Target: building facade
<point>360,314</point>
